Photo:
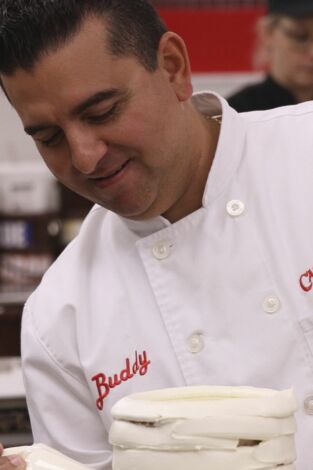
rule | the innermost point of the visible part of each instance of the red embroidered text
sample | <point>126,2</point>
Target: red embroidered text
<point>105,383</point>
<point>306,280</point>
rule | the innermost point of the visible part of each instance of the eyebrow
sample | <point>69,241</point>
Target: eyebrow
<point>95,99</point>
<point>32,130</point>
<point>78,109</point>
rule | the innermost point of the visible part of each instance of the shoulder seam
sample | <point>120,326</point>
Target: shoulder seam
<point>279,115</point>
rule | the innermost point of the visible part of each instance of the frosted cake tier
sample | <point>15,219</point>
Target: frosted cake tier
<point>224,428</point>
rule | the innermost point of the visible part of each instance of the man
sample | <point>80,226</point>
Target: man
<point>286,41</point>
<point>194,266</point>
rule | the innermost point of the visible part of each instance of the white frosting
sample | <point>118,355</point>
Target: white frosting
<point>42,457</point>
<point>156,460</point>
<point>225,428</point>
<point>195,402</point>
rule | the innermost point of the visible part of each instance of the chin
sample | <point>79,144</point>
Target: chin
<point>131,212</point>
<point>138,214</point>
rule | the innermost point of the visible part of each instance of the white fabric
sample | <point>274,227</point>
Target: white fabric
<point>223,305</point>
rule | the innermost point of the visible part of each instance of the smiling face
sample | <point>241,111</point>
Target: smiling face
<point>108,128</point>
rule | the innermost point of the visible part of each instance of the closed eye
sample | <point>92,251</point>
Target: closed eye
<point>54,139</point>
<point>103,117</point>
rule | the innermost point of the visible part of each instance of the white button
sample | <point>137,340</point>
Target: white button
<point>308,405</point>
<point>271,304</point>
<point>195,343</point>
<point>161,250</point>
<point>235,207</point>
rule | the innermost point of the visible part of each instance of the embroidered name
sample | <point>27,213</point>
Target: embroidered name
<point>306,280</point>
<point>105,383</point>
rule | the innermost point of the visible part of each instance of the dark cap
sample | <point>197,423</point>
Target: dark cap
<point>295,8</point>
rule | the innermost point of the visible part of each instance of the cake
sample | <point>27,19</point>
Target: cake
<point>42,457</point>
<point>204,427</point>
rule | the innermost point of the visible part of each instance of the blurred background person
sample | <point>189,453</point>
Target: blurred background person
<point>285,51</point>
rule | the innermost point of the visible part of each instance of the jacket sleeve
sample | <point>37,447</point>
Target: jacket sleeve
<point>60,404</point>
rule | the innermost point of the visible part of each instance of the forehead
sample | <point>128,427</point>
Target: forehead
<point>80,67</point>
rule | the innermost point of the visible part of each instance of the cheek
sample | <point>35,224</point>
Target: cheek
<point>291,62</point>
<point>282,58</point>
<point>57,163</point>
<point>142,133</point>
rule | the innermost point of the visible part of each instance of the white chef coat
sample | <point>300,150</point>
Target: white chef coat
<point>223,296</point>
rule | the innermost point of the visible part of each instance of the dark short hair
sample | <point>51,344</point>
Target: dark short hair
<point>293,8</point>
<point>30,28</point>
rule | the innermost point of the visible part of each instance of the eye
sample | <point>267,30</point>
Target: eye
<point>103,117</point>
<point>301,37</point>
<point>54,139</point>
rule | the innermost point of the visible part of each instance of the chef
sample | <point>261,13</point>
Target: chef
<point>195,265</point>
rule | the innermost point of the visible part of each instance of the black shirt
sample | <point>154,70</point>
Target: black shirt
<point>264,95</point>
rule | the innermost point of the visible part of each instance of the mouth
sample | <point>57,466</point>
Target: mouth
<point>110,178</point>
<point>113,173</point>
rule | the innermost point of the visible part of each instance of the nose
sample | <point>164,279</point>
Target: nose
<point>87,150</point>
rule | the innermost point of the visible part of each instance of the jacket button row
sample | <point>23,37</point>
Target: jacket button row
<point>271,304</point>
<point>308,405</point>
<point>195,343</point>
<point>161,250</point>
<point>235,207</point>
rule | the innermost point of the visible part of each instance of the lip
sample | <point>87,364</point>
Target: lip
<point>114,177</point>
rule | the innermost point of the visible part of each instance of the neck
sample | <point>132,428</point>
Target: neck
<point>191,199</point>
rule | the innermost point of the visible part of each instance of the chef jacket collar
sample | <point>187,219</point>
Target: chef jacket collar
<point>226,159</point>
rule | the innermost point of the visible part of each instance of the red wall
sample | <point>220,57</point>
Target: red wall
<point>218,40</point>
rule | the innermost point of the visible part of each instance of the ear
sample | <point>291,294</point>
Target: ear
<point>173,60</point>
